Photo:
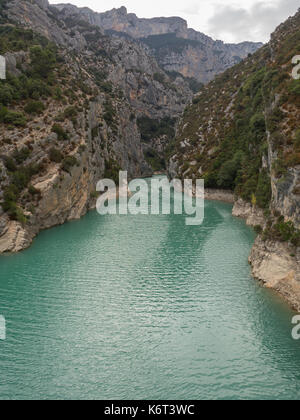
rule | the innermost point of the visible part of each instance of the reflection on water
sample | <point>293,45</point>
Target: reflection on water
<point>134,307</point>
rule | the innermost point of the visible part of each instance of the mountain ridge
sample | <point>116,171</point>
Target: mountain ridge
<point>190,53</point>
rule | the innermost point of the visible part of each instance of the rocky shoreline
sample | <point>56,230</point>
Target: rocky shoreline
<point>62,200</point>
<point>274,264</point>
<point>219,195</point>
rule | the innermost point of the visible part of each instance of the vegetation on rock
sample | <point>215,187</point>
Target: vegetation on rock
<point>242,129</point>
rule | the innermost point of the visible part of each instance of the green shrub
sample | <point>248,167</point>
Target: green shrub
<point>21,155</point>
<point>15,118</point>
<point>61,134</point>
<point>58,96</point>
<point>112,169</point>
<point>279,168</point>
<point>42,60</point>
<point>109,114</point>
<point>95,132</point>
<point>3,112</point>
<point>159,77</point>
<point>68,163</point>
<point>258,229</point>
<point>35,88</point>
<point>294,87</point>
<point>34,107</point>
<point>105,87</point>
<point>264,190</point>
<point>297,139</point>
<point>258,125</point>
<point>196,100</point>
<point>14,212</point>
<point>194,85</point>
<point>21,178</point>
<point>282,231</point>
<point>285,231</point>
<point>6,94</point>
<point>211,180</point>
<point>55,155</point>
<point>228,172</point>
<point>151,129</point>
<point>274,119</point>
<point>156,161</point>
<point>9,163</point>
<point>70,112</point>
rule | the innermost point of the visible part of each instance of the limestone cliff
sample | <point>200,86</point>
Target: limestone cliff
<point>241,133</point>
<point>177,48</point>
<point>69,115</point>
<point>51,161</point>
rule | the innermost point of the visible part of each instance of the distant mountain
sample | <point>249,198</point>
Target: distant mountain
<point>176,47</point>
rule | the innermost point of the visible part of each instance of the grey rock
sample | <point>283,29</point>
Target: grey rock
<point>196,55</point>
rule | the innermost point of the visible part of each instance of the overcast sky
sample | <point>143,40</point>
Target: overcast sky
<point>229,20</point>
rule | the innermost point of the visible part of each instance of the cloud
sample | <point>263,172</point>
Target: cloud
<point>192,9</point>
<point>254,24</point>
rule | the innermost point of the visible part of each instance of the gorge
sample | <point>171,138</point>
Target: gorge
<point>89,94</point>
<point>85,107</point>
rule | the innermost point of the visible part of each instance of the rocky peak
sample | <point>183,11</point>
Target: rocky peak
<point>121,21</point>
<point>44,4</point>
<point>177,48</point>
<point>120,11</point>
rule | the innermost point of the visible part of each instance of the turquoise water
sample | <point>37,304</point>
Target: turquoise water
<point>143,307</point>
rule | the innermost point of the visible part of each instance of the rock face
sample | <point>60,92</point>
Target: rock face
<point>86,127</point>
<point>130,65</point>
<point>242,133</point>
<point>43,4</point>
<point>121,21</point>
<point>35,15</point>
<point>275,264</point>
<point>253,215</point>
<point>15,238</point>
<point>176,47</point>
<point>286,195</point>
<point>278,269</point>
<point>67,194</point>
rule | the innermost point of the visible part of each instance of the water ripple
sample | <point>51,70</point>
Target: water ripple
<point>143,307</point>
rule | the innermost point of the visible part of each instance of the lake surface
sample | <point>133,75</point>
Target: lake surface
<point>144,307</point>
